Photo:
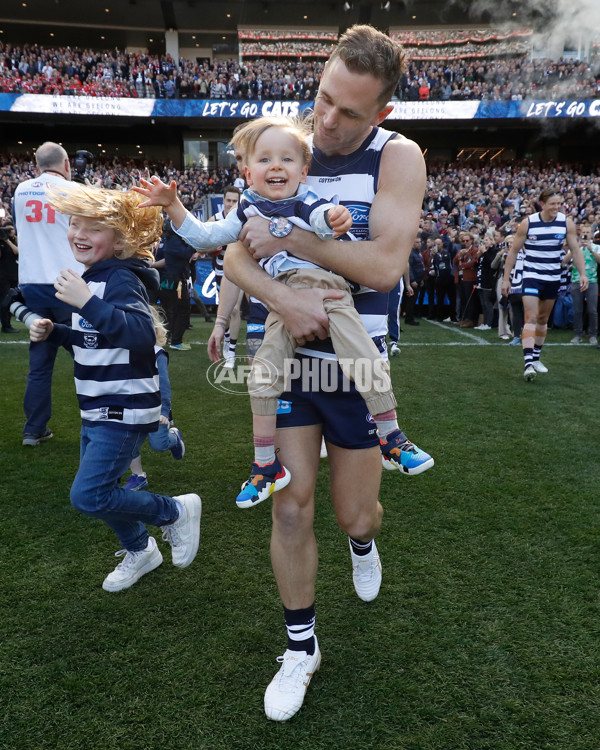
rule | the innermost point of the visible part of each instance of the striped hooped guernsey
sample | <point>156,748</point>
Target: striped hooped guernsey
<point>113,338</point>
<point>544,248</point>
<point>353,179</point>
<point>218,259</point>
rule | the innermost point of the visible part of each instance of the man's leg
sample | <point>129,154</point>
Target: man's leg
<point>294,559</point>
<point>355,479</point>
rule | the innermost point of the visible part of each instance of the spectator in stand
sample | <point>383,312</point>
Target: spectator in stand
<point>444,281</point>
<point>9,269</point>
<point>416,276</point>
<point>586,297</point>
<point>486,282</point>
<point>501,250</point>
<point>466,262</point>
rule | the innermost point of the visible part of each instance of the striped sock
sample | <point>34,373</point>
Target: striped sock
<point>386,422</point>
<point>528,357</point>
<point>360,548</point>
<point>300,625</point>
<point>536,352</point>
<point>264,450</point>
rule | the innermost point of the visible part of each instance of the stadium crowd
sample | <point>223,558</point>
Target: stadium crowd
<point>83,72</point>
<point>459,195</point>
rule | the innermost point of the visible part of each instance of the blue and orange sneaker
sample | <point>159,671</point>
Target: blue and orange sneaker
<point>263,482</point>
<point>399,453</point>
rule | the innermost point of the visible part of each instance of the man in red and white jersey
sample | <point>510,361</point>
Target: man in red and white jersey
<point>43,252</point>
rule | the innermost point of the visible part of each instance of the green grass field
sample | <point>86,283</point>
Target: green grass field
<point>486,630</point>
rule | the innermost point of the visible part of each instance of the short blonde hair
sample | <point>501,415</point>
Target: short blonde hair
<point>245,138</point>
<point>139,229</point>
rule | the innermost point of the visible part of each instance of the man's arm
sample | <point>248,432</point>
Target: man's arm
<point>578,258</point>
<point>393,222</point>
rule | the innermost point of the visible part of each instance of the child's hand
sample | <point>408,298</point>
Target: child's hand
<point>163,420</point>
<point>72,289</point>
<point>339,219</point>
<point>40,329</point>
<point>157,192</point>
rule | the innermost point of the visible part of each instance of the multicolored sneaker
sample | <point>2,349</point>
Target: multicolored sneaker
<point>401,454</point>
<point>178,448</point>
<point>263,482</point>
<point>136,482</point>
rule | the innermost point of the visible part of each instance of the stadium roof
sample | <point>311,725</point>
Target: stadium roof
<point>141,23</point>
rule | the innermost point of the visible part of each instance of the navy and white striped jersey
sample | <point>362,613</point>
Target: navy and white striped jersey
<point>219,258</point>
<point>113,338</point>
<point>544,248</point>
<point>353,178</point>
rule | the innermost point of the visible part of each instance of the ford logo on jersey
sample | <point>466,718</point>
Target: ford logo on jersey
<point>83,323</point>
<point>359,213</point>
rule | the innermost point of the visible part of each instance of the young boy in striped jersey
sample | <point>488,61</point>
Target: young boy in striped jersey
<point>277,160</point>
<point>116,378</point>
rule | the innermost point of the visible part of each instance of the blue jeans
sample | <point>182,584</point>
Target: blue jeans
<point>590,299</point>
<point>105,456</point>
<point>37,403</point>
<point>161,440</point>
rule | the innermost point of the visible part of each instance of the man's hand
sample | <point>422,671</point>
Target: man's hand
<point>584,282</point>
<point>304,313</point>
<point>339,219</point>
<point>72,289</point>
<point>215,343</point>
<point>40,329</point>
<point>259,242</point>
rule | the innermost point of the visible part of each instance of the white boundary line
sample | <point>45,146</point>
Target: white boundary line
<point>472,336</point>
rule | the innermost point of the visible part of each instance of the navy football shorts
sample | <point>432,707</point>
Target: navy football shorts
<point>541,289</point>
<point>321,395</point>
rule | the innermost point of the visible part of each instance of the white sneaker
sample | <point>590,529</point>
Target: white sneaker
<point>575,340</point>
<point>285,695</point>
<point>529,373</point>
<point>184,534</point>
<point>593,340</point>
<point>395,350</point>
<point>133,566</point>
<point>366,573</point>
<point>229,361</point>
<point>483,327</point>
<point>539,367</point>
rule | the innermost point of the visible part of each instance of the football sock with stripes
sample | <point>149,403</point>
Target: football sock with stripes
<point>528,339</point>
<point>300,625</point>
<point>540,338</point>
<point>360,548</point>
<point>232,345</point>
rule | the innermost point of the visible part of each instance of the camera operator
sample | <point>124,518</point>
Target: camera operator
<point>589,297</point>
<point>43,252</point>
<point>9,268</point>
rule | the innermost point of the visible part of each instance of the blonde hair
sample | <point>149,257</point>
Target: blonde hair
<point>138,229</point>
<point>245,137</point>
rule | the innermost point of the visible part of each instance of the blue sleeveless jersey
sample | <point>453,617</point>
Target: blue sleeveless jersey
<point>544,248</point>
<point>353,179</point>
